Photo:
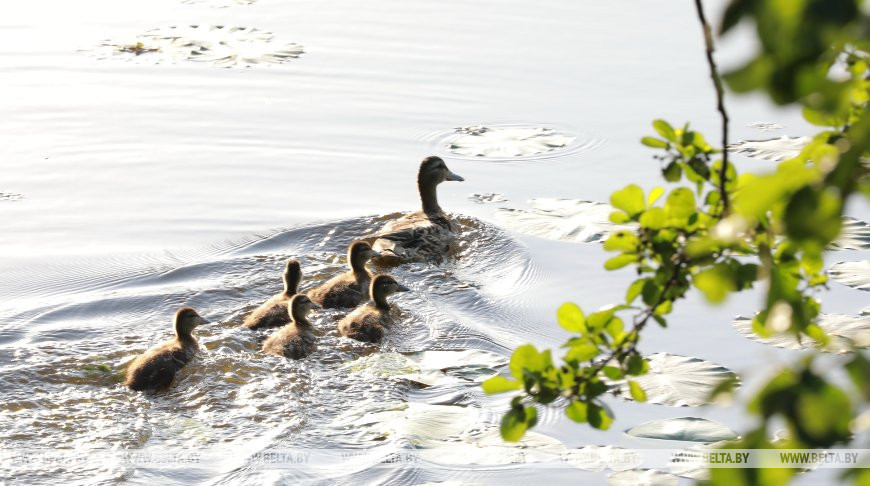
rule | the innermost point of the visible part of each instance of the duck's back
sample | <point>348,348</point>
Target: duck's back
<point>291,342</point>
<point>365,324</point>
<point>156,368</point>
<point>340,291</point>
<point>415,236</point>
<point>273,313</point>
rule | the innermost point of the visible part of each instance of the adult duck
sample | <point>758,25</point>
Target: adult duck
<point>156,368</point>
<point>367,323</point>
<point>297,339</point>
<point>352,287</point>
<point>427,234</point>
<point>273,312</point>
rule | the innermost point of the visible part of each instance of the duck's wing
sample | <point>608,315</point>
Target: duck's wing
<point>340,291</point>
<point>156,369</point>
<point>272,313</point>
<point>414,236</point>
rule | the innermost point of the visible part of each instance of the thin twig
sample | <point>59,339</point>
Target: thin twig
<point>720,103</point>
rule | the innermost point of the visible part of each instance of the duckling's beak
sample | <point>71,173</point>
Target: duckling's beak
<point>453,177</point>
<point>203,320</point>
<point>374,253</point>
<point>402,288</point>
<point>315,306</point>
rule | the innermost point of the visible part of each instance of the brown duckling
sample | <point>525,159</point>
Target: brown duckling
<point>350,288</point>
<point>156,368</point>
<point>424,235</point>
<point>366,323</point>
<point>273,312</point>
<point>296,340</point>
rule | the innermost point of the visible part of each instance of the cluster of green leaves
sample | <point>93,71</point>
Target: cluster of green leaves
<point>726,232</point>
<point>670,251</point>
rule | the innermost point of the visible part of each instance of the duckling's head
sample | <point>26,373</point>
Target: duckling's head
<point>358,253</point>
<point>434,171</point>
<point>384,285</point>
<point>186,319</point>
<point>299,307</point>
<point>292,276</point>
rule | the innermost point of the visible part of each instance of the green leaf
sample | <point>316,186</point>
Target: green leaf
<point>653,218</point>
<point>515,423</point>
<point>624,241</point>
<point>665,130</point>
<point>598,320</point>
<point>579,354</point>
<point>525,357</point>
<point>672,172</point>
<point>636,365</point>
<point>680,204</point>
<point>822,119</point>
<point>571,318</point>
<point>576,411</point>
<point>598,417</point>
<point>654,142</point>
<point>500,384</point>
<point>614,327</point>
<point>612,372</point>
<point>814,216</point>
<point>620,261</point>
<point>634,290</point>
<point>654,195</point>
<point>619,217</point>
<point>636,391</point>
<point>628,199</point>
<point>715,282</point>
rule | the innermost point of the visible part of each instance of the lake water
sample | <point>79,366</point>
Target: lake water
<point>132,187</point>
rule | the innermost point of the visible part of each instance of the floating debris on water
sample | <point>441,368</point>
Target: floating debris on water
<point>481,141</point>
<point>765,126</point>
<point>11,196</point>
<point>563,219</point>
<point>487,197</point>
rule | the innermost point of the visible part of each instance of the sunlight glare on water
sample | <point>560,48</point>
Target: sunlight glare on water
<point>132,187</point>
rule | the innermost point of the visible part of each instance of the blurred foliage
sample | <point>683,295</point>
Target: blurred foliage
<point>726,232</point>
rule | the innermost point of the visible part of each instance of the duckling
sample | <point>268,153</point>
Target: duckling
<point>424,235</point>
<point>273,312</point>
<point>297,339</point>
<point>366,323</point>
<point>156,368</point>
<point>350,288</point>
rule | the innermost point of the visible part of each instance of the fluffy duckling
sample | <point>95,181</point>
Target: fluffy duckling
<point>424,235</point>
<point>366,323</point>
<point>296,340</point>
<point>350,288</point>
<point>156,368</point>
<point>273,312</point>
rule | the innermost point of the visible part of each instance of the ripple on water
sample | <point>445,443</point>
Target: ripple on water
<point>510,142</point>
<point>218,45</point>
<point>63,373</point>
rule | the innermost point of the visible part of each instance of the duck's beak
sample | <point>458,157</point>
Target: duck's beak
<point>374,253</point>
<point>453,177</point>
<point>402,288</point>
<point>315,306</point>
<point>203,320</point>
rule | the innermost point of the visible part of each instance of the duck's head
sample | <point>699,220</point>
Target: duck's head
<point>434,171</point>
<point>292,276</point>
<point>186,319</point>
<point>384,285</point>
<point>358,253</point>
<point>299,307</point>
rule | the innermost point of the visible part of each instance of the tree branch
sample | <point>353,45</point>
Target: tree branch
<point>720,103</point>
